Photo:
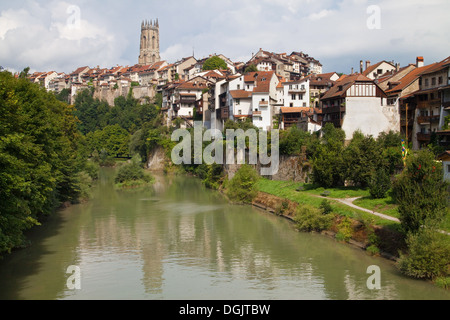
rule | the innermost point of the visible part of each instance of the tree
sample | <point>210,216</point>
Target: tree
<point>39,159</point>
<point>215,63</point>
<point>380,183</point>
<point>361,157</point>
<point>251,68</point>
<point>328,165</point>
<point>421,192</point>
<point>242,188</point>
<point>428,255</point>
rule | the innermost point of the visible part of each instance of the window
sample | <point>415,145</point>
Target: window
<point>239,87</point>
<point>379,71</point>
<point>293,97</point>
<point>426,82</point>
<point>238,102</point>
<point>440,80</point>
<point>433,81</point>
<point>291,104</point>
<point>240,112</point>
<point>448,168</point>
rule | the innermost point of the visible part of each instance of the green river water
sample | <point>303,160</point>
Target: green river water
<point>178,240</point>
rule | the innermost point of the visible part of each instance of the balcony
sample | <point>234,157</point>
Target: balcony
<point>429,104</point>
<point>299,90</point>
<point>257,113</point>
<point>334,109</point>
<point>264,103</point>
<point>428,119</point>
<point>423,136</point>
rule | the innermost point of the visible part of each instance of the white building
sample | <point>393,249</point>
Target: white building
<point>358,103</point>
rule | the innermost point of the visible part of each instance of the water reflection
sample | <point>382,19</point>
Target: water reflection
<point>178,240</point>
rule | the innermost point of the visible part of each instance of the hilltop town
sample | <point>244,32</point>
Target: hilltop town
<point>277,90</point>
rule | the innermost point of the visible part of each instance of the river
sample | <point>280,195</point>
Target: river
<point>178,240</point>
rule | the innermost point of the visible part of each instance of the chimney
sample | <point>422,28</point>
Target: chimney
<point>397,67</point>
<point>419,62</point>
<point>352,71</point>
<point>361,66</point>
<point>367,64</point>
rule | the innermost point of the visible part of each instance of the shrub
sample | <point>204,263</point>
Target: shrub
<point>242,188</point>
<point>428,255</point>
<point>345,230</point>
<point>379,184</point>
<point>309,218</point>
<point>442,282</point>
<point>132,171</point>
<point>213,176</point>
<point>421,192</point>
<point>373,250</point>
<point>326,207</point>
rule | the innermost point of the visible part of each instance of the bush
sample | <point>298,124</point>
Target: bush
<point>242,188</point>
<point>326,207</point>
<point>132,172</point>
<point>213,176</point>
<point>428,255</point>
<point>373,250</point>
<point>442,282</point>
<point>380,184</point>
<point>345,230</point>
<point>309,218</point>
<point>421,192</point>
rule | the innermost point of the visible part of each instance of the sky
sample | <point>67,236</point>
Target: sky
<point>61,36</point>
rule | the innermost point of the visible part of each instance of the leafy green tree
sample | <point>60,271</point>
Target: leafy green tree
<point>292,141</point>
<point>361,157</point>
<point>328,164</point>
<point>242,188</point>
<point>380,183</point>
<point>251,68</point>
<point>215,63</point>
<point>421,192</point>
<point>39,159</point>
<point>428,255</point>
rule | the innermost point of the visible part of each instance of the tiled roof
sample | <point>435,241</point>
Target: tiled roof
<point>370,69</point>
<point>409,78</point>
<point>294,109</point>
<point>79,70</point>
<point>344,85</point>
<point>438,66</point>
<point>240,94</point>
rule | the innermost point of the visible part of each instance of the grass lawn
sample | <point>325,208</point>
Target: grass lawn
<point>288,190</point>
<point>386,205</point>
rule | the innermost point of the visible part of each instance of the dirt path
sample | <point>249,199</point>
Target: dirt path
<point>349,202</point>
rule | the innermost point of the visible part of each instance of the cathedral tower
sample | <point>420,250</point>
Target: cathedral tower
<point>149,52</point>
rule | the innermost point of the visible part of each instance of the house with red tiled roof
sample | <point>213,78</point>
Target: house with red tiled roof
<point>358,103</point>
<point>430,104</point>
<point>185,99</point>
<point>78,73</point>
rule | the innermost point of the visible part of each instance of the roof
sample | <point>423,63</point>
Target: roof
<point>372,68</point>
<point>240,94</point>
<point>437,66</point>
<point>294,109</point>
<point>341,86</point>
<point>79,70</point>
<point>409,78</point>
<point>262,80</point>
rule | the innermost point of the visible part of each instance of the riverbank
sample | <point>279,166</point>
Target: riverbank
<point>390,242</point>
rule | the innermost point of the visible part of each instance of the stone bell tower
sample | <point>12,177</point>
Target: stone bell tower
<point>149,52</point>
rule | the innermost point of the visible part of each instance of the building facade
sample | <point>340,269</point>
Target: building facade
<point>149,52</point>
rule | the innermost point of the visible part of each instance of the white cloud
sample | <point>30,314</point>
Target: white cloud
<point>322,14</point>
<point>39,33</point>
